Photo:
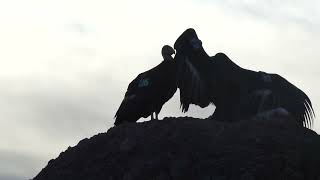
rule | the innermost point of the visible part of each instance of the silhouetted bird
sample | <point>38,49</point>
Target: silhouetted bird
<point>236,92</point>
<point>147,93</point>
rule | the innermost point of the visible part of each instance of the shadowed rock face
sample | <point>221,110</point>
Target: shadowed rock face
<point>187,148</point>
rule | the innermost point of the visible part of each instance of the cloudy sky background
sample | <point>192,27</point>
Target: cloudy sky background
<point>65,64</point>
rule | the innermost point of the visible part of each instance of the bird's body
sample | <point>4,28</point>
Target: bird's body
<point>149,91</point>
<point>236,92</point>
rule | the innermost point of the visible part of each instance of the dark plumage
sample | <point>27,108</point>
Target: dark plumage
<point>147,93</point>
<point>233,90</point>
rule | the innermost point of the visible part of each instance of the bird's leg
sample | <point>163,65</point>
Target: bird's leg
<point>157,116</point>
<point>152,118</point>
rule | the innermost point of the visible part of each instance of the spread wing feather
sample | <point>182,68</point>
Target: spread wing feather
<point>293,99</point>
<point>192,87</point>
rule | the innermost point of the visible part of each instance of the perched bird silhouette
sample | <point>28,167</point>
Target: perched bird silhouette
<point>236,92</point>
<point>148,92</point>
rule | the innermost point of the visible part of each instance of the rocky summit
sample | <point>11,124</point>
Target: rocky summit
<point>187,148</point>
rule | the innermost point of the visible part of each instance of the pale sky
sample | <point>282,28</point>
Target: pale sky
<point>65,64</point>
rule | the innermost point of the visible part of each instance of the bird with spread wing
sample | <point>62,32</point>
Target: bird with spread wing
<point>236,92</point>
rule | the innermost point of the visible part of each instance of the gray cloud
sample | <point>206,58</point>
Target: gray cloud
<point>50,117</point>
<point>53,108</point>
<point>20,166</point>
<point>11,177</point>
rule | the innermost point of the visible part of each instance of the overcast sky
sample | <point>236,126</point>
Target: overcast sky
<point>65,64</point>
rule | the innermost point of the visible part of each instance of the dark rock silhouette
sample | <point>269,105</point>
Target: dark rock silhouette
<point>188,148</point>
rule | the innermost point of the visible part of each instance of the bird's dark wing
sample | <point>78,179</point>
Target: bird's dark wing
<point>134,85</point>
<point>193,89</point>
<point>131,109</point>
<point>133,106</point>
<point>293,99</point>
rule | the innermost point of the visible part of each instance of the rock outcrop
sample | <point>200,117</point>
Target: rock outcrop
<point>188,148</point>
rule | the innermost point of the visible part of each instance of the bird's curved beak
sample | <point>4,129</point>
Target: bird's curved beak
<point>172,51</point>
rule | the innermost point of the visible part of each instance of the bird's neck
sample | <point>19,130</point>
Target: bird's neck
<point>167,57</point>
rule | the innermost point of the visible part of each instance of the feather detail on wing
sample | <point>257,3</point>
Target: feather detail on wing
<point>193,89</point>
<point>294,100</point>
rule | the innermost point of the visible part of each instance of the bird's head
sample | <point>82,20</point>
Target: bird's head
<point>188,42</point>
<point>167,52</point>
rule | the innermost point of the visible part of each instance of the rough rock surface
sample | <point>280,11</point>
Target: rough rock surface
<point>187,148</point>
